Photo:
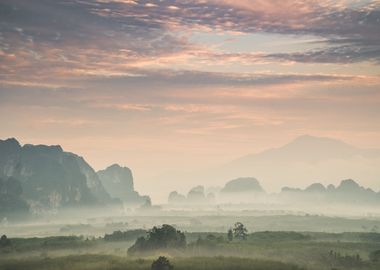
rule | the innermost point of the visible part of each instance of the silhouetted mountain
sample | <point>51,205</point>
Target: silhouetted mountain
<point>196,195</point>
<point>311,149</point>
<point>316,187</point>
<point>249,191</point>
<point>118,181</point>
<point>11,200</point>
<point>348,192</point>
<point>244,184</point>
<point>49,177</point>
<point>176,198</point>
<point>307,157</point>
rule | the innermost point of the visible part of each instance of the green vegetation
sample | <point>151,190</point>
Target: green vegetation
<point>21,245</point>
<point>4,241</point>
<point>165,237</point>
<point>278,236</point>
<point>206,251</point>
<point>101,262</point>
<point>210,241</point>
<point>375,256</point>
<point>125,236</point>
<point>162,263</point>
<point>239,231</point>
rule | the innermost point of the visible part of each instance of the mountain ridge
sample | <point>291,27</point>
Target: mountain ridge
<point>49,179</point>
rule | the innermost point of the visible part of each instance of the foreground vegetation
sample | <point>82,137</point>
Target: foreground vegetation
<point>234,249</point>
<point>97,262</point>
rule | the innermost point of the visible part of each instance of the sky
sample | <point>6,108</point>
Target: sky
<point>165,85</point>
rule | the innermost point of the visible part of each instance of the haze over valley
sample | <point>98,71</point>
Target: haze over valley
<point>189,135</point>
<point>44,180</point>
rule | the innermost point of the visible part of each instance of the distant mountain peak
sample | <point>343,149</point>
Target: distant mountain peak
<point>305,140</point>
<point>349,184</point>
<point>118,181</point>
<point>305,148</point>
<point>116,166</point>
<point>316,187</point>
<point>43,148</point>
<point>10,141</point>
<point>307,137</point>
<point>243,184</point>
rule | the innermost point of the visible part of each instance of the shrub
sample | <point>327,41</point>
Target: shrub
<point>162,263</point>
<point>375,256</point>
<point>4,241</point>
<point>165,237</point>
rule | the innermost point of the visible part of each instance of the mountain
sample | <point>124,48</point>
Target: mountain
<point>11,201</point>
<point>348,192</point>
<point>118,181</point>
<point>311,149</point>
<point>196,196</point>
<point>176,198</point>
<point>307,158</point>
<point>247,191</point>
<point>49,178</point>
<point>243,184</point>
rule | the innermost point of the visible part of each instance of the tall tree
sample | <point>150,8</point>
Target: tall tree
<point>240,232</point>
<point>230,235</point>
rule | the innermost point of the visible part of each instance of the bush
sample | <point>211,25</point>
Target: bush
<point>375,256</point>
<point>162,263</point>
<point>4,241</point>
<point>166,237</point>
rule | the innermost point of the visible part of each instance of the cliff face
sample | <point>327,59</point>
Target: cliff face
<point>49,177</point>
<point>11,201</point>
<point>118,181</point>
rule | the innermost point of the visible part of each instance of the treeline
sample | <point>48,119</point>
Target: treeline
<point>54,242</point>
<point>130,235</point>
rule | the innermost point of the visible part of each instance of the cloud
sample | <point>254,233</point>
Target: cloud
<point>193,78</point>
<point>341,54</point>
<point>107,36</point>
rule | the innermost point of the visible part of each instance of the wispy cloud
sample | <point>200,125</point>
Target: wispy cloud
<point>106,37</point>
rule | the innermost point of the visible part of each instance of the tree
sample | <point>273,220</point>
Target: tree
<point>239,231</point>
<point>162,263</point>
<point>230,235</point>
<point>4,241</point>
<point>165,237</point>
